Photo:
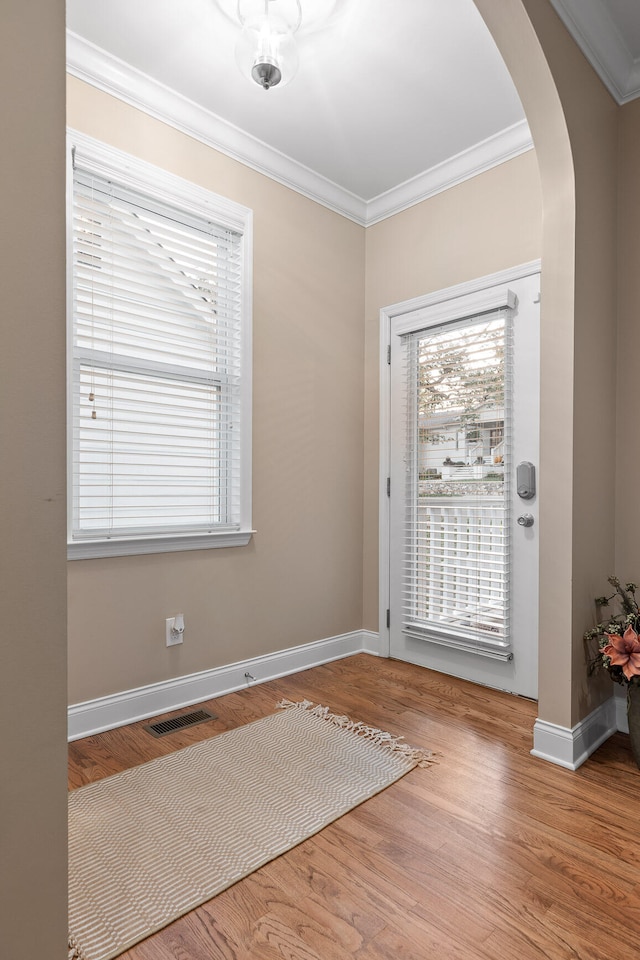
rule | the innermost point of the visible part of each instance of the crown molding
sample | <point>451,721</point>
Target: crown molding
<point>95,66</point>
<point>503,146</point>
<point>593,28</point>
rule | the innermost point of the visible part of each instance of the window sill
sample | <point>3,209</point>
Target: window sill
<point>137,546</point>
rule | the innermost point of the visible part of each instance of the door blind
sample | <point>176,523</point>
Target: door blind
<point>457,380</point>
<point>156,366</point>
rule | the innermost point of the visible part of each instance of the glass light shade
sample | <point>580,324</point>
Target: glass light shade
<point>266,51</point>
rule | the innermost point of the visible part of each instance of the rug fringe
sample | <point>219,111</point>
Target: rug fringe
<point>394,744</point>
<point>74,950</point>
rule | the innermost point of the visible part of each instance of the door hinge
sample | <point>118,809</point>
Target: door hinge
<point>388,486</point>
<point>388,618</point>
<point>389,353</point>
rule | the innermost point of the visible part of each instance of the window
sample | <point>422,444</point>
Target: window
<point>496,434</point>
<point>159,355</point>
<point>457,532</point>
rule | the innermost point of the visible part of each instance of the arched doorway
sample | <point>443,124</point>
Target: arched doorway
<point>574,127</point>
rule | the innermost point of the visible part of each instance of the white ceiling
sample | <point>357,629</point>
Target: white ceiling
<point>625,15</point>
<point>392,100</point>
<point>608,32</point>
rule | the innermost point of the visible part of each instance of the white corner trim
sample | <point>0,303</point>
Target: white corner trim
<point>569,748</point>
<point>92,64</point>
<point>622,720</point>
<point>503,146</point>
<point>592,27</point>
<point>373,643</point>
<point>106,713</point>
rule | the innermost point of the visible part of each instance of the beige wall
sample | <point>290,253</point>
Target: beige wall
<point>32,485</point>
<point>627,461</point>
<point>300,579</point>
<point>483,225</point>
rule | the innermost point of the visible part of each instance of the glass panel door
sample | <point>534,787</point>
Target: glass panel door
<point>463,550</point>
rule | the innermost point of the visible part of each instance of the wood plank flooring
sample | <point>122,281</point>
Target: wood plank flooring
<point>489,855</point>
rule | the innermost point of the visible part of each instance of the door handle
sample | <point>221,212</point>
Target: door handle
<point>526,520</point>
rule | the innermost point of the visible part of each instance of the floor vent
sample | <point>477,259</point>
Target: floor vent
<point>163,727</point>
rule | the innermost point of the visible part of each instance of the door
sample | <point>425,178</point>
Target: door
<point>463,552</point>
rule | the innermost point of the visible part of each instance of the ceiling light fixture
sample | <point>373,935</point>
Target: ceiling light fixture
<point>267,51</point>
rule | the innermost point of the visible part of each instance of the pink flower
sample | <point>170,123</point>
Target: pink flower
<point>624,651</point>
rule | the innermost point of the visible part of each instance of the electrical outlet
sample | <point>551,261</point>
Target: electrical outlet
<point>174,630</point>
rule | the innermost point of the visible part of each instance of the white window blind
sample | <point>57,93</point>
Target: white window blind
<point>457,540</point>
<point>157,366</point>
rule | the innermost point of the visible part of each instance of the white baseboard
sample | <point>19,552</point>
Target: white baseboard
<point>371,643</point>
<point>106,713</point>
<point>571,747</point>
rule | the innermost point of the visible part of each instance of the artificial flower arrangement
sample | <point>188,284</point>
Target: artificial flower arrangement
<point>619,636</point>
<point>618,651</point>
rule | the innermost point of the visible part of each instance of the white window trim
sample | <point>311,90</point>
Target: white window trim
<point>137,174</point>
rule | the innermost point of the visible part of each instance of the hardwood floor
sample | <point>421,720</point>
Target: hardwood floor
<point>489,855</point>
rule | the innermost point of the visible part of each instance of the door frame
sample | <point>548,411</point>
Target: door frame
<point>387,315</point>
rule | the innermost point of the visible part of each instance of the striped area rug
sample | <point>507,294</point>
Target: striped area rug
<point>151,843</point>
